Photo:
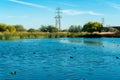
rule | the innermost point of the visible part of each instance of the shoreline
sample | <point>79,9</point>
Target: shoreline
<point>38,35</point>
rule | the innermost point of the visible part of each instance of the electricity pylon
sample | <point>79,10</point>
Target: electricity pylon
<point>58,18</point>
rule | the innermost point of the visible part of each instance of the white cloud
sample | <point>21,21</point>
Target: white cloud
<point>76,12</point>
<point>94,13</point>
<point>67,12</point>
<point>114,5</point>
<point>72,12</point>
<point>30,4</point>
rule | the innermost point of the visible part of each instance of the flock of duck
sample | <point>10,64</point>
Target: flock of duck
<point>71,57</point>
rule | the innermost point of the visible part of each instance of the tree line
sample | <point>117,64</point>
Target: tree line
<point>88,27</point>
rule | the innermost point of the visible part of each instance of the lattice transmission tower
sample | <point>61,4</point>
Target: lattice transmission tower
<point>103,21</point>
<point>58,18</point>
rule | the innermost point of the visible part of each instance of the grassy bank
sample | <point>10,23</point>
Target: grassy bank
<point>34,35</point>
<point>30,35</point>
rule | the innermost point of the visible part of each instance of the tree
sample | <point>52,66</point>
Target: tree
<point>51,28</point>
<point>92,27</point>
<point>65,30</point>
<point>48,28</point>
<point>2,27</point>
<point>74,28</point>
<point>7,28</point>
<point>20,28</point>
<point>79,28</point>
<point>31,30</point>
<point>43,28</point>
<point>11,28</point>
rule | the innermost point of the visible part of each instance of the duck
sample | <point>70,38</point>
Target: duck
<point>71,57</point>
<point>13,73</point>
<point>74,47</point>
<point>117,57</point>
<point>34,52</point>
<point>103,46</point>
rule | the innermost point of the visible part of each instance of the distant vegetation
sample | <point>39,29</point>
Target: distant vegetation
<point>19,28</point>
<point>74,28</point>
<point>88,27</point>
<point>92,27</point>
<point>48,28</point>
<point>10,32</point>
<point>7,28</point>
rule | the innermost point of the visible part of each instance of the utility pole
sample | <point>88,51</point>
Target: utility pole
<point>58,18</point>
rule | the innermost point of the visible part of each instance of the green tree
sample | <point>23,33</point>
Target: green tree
<point>7,28</point>
<point>3,27</point>
<point>74,28</point>
<point>19,28</point>
<point>48,28</point>
<point>92,27</point>
<point>79,28</point>
<point>43,28</point>
<point>51,28</point>
<point>65,30</point>
<point>11,28</point>
<point>31,30</point>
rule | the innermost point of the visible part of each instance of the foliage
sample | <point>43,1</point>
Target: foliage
<point>48,28</point>
<point>74,28</point>
<point>65,30</point>
<point>19,28</point>
<point>92,27</point>
<point>3,27</point>
<point>43,28</point>
<point>31,30</point>
<point>51,28</point>
<point>7,28</point>
<point>11,28</point>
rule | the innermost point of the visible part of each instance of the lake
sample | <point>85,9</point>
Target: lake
<point>60,59</point>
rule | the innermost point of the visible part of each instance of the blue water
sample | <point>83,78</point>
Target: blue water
<point>60,59</point>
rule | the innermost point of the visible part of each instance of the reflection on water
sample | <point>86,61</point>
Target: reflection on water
<point>87,42</point>
<point>93,43</point>
<point>60,59</point>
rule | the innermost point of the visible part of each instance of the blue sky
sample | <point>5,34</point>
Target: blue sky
<point>33,13</point>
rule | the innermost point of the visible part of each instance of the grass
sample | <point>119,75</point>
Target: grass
<point>30,35</point>
<point>34,35</point>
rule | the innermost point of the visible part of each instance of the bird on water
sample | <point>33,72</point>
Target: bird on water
<point>13,73</point>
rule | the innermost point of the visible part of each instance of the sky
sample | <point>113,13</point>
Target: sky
<point>34,13</point>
